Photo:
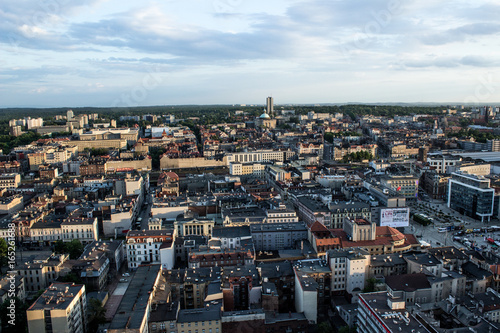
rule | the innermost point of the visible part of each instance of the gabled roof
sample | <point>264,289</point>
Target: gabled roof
<point>318,227</point>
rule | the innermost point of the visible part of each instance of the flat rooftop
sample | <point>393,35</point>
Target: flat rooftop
<point>134,305</point>
<point>57,296</point>
<point>394,320</point>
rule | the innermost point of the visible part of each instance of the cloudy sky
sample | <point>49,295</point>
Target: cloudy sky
<point>128,53</point>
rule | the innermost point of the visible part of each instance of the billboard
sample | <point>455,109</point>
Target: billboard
<point>395,217</point>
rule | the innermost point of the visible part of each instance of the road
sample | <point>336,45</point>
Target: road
<point>443,216</point>
<point>144,213</point>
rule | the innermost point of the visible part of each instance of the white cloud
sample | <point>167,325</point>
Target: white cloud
<point>303,48</point>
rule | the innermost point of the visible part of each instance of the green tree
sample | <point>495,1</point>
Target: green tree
<point>370,285</point>
<point>96,313</point>
<point>59,247</point>
<point>98,151</point>
<point>21,323</point>
<point>329,137</point>
<point>72,277</point>
<point>324,327</point>
<point>74,248</point>
<point>155,153</point>
<point>347,329</point>
<point>3,253</point>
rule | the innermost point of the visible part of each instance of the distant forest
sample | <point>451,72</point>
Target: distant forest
<point>185,111</point>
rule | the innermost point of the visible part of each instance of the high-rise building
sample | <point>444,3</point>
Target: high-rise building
<point>69,114</point>
<point>422,154</point>
<point>15,130</point>
<point>270,106</point>
<point>34,122</point>
<point>471,195</point>
<point>61,308</point>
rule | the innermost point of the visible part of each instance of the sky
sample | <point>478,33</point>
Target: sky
<point>109,53</point>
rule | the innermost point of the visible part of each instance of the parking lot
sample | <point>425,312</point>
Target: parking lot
<point>472,236</point>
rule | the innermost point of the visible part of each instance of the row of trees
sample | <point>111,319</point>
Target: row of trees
<point>477,135</point>
<point>357,156</point>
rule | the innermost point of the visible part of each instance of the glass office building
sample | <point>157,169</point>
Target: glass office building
<point>471,195</point>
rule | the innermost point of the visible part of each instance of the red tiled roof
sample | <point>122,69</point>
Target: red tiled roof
<point>495,269</point>
<point>389,232</point>
<point>327,241</point>
<point>379,240</point>
<point>317,227</point>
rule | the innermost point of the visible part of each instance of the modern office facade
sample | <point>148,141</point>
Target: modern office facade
<point>471,195</point>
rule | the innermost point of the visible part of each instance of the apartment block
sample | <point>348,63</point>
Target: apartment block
<point>61,308</point>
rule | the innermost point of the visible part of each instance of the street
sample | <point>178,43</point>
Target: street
<point>443,216</point>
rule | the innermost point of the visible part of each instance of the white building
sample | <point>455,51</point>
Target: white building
<point>34,123</point>
<point>306,297</point>
<point>83,229</point>
<point>349,269</point>
<point>231,237</point>
<point>260,156</point>
<point>46,231</point>
<point>152,247</point>
<point>10,180</point>
<point>443,163</point>
<point>281,215</point>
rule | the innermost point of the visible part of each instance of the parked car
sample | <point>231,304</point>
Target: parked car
<point>123,280</point>
<point>126,274</point>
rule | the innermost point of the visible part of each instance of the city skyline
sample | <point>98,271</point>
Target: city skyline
<point>109,54</point>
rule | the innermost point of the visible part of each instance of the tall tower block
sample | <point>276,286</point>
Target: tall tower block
<point>270,106</point>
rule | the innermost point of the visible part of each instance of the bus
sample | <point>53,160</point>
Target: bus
<point>442,229</point>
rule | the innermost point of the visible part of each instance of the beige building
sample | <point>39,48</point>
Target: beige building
<point>61,308</point>
<point>12,204</point>
<point>40,271</point>
<point>89,144</point>
<point>403,151</point>
<point>359,229</point>
<point>129,134</point>
<point>193,226</point>
<point>187,163</point>
<point>83,229</point>
<point>137,164</point>
<point>6,284</point>
<point>52,155</point>
<point>406,186</point>
<point>204,320</point>
<point>246,169</point>
<point>46,231</point>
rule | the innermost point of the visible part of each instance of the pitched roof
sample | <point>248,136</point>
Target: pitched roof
<point>317,227</point>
